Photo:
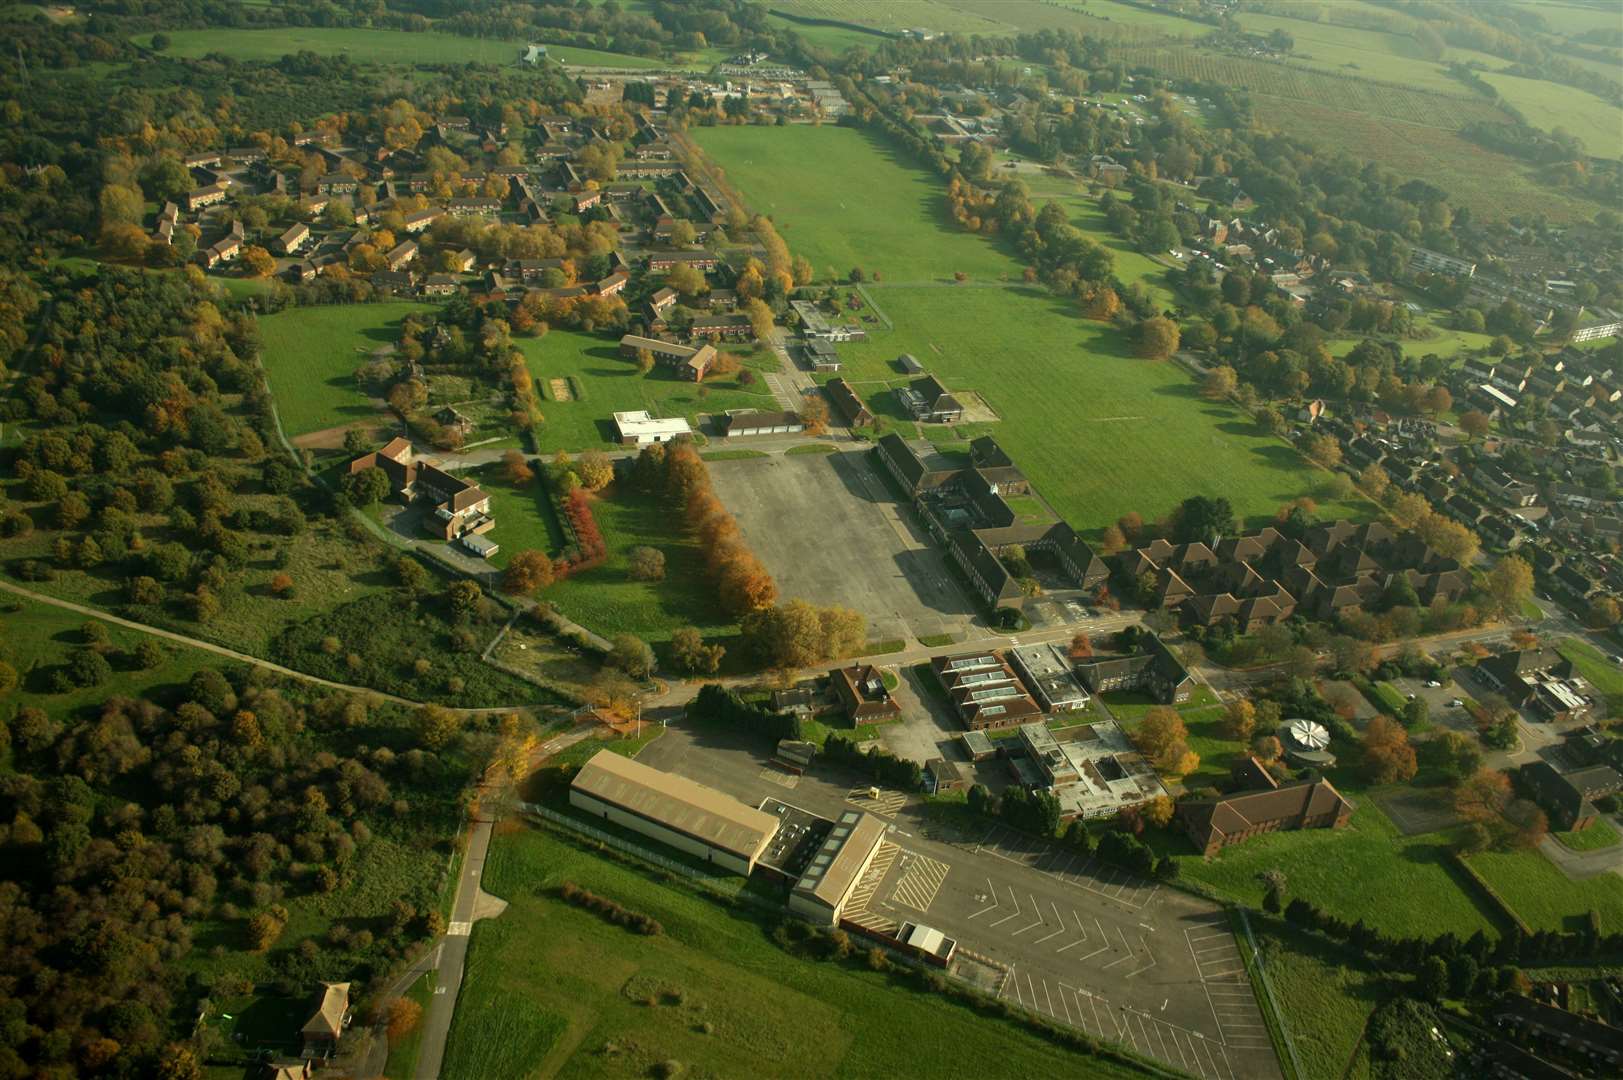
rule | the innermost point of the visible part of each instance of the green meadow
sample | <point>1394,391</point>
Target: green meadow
<point>311,355</point>
<point>376,46</point>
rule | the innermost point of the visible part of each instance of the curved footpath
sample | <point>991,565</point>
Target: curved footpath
<point>230,654</point>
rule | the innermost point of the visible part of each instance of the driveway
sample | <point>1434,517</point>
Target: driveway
<point>927,729</point>
<point>1579,865</point>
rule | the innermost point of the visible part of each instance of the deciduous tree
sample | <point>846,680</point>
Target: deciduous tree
<point>1388,755</point>
<point>528,572</point>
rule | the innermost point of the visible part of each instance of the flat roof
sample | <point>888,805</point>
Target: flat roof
<point>834,869</point>
<point>676,802</point>
<point>640,423</point>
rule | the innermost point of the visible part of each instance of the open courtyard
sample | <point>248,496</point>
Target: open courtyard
<point>830,532</point>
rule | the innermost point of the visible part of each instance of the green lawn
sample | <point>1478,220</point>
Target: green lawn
<point>609,602</point>
<point>1401,885</point>
<point>608,384</point>
<point>524,516</point>
<point>712,994</point>
<point>1325,1001</point>
<point>378,46</point>
<point>1597,837</point>
<point>894,220</point>
<point>1596,123</point>
<point>1547,899</point>
<point>1593,665</point>
<point>835,39</point>
<point>311,355</point>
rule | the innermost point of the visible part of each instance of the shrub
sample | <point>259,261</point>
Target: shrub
<point>609,909</point>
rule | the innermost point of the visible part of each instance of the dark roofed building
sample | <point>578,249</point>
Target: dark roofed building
<point>847,404</point>
<point>1569,797</point>
<point>1214,824</point>
<point>1574,1035</point>
<point>930,402</point>
<point>861,691</point>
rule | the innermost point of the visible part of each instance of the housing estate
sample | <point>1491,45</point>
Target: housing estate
<point>1265,578</point>
<point>460,508</point>
<point>1214,824</point>
<point>848,405</point>
<point>968,511</point>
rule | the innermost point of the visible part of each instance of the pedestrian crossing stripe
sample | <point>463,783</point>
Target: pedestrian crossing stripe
<point>459,929</point>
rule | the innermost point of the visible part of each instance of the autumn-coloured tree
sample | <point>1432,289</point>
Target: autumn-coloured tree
<point>1475,423</point>
<point>1407,509</point>
<point>527,573</point>
<point>258,262</point>
<point>436,726</point>
<point>1388,755</point>
<point>685,471</point>
<point>645,361</point>
<point>1239,719</point>
<point>595,469</point>
<point>1101,303</point>
<point>1323,450</point>
<point>1081,647</point>
<point>814,414</point>
<point>516,470</point>
<point>1220,384</point>
<point>1604,611</point>
<point>1374,481</point>
<point>1509,583</point>
<point>1161,730</point>
<point>645,564</point>
<point>1448,538</point>
<point>401,1016</point>
<point>280,583</point>
<point>1159,810</point>
<point>1111,540</point>
<point>761,319</point>
<point>745,586</point>
<point>690,653</point>
<point>1131,525</point>
<point>1155,338</point>
<point>1266,748</point>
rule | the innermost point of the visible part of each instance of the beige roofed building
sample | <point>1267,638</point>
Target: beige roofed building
<point>673,810</point>
<point>826,883</point>
<point>321,1031</point>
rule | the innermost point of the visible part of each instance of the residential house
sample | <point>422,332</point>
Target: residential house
<point>985,691</point>
<point>418,220</point>
<point>440,285</point>
<point>722,326</point>
<point>401,254</point>
<point>321,1032</point>
<point>660,261</point>
<point>205,196</point>
<point>293,239</point>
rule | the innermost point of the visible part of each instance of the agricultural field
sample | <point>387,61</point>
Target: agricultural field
<point>886,215</point>
<point>1141,437</point>
<point>375,46</point>
<point>599,383</point>
<point>712,995</point>
<point>1372,54</point>
<point>1325,1001</point>
<point>1493,185</point>
<point>311,355</point>
<point>1348,93</point>
<point>1595,123</point>
<point>835,39</point>
<point>939,15</point>
<point>1401,885</point>
<point>1547,899</point>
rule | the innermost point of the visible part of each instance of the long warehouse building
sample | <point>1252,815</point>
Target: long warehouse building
<point>673,810</point>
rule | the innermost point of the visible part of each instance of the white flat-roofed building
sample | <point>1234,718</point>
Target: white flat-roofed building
<point>674,810</point>
<point>639,428</point>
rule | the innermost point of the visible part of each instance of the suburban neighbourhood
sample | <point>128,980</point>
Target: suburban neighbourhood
<point>812,539</point>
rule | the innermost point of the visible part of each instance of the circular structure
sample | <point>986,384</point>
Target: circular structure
<point>1306,744</point>
<point>1309,735</point>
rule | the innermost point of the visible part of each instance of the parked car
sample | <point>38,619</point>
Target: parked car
<point>1432,684</point>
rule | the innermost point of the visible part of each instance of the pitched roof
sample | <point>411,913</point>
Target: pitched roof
<point>676,803</point>
<point>1208,819</point>
<point>329,1017</point>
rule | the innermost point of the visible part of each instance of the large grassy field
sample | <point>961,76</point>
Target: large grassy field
<point>938,15</point>
<point>1597,124</point>
<point>1400,885</point>
<point>311,354</point>
<point>554,990</point>
<point>1099,432</point>
<point>1547,899</point>
<point>379,46</point>
<point>844,198</point>
<point>610,384</point>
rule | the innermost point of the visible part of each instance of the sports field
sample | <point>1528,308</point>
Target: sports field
<point>311,354</point>
<point>602,384</point>
<point>711,996</point>
<point>378,46</point>
<point>843,198</point>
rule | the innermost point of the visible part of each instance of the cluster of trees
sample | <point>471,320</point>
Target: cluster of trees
<point>612,910</point>
<point>676,472</point>
<point>1162,738</point>
<point>721,705</point>
<point>884,766</point>
<point>127,827</point>
<point>798,634</point>
<point>1496,817</point>
<point>1039,812</point>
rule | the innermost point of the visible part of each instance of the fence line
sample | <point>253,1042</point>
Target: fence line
<point>1268,992</point>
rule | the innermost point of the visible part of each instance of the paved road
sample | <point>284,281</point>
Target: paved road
<point>453,950</point>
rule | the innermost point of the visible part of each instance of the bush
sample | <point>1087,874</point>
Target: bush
<point>609,909</point>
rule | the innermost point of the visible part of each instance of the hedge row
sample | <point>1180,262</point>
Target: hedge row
<point>609,909</point>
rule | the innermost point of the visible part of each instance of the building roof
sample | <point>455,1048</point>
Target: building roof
<point>837,864</point>
<point>640,424</point>
<point>329,1017</point>
<point>1208,819</point>
<point>750,420</point>
<point>677,803</point>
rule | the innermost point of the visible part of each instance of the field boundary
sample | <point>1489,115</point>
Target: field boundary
<point>1500,904</point>
<point>1256,968</point>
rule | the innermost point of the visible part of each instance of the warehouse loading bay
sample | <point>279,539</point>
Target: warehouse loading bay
<point>1090,946</point>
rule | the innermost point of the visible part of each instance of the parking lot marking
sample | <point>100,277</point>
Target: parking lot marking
<point>992,892</point>
<point>1016,900</point>
<point>779,777</point>
<point>1079,941</point>
<point>1148,953</point>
